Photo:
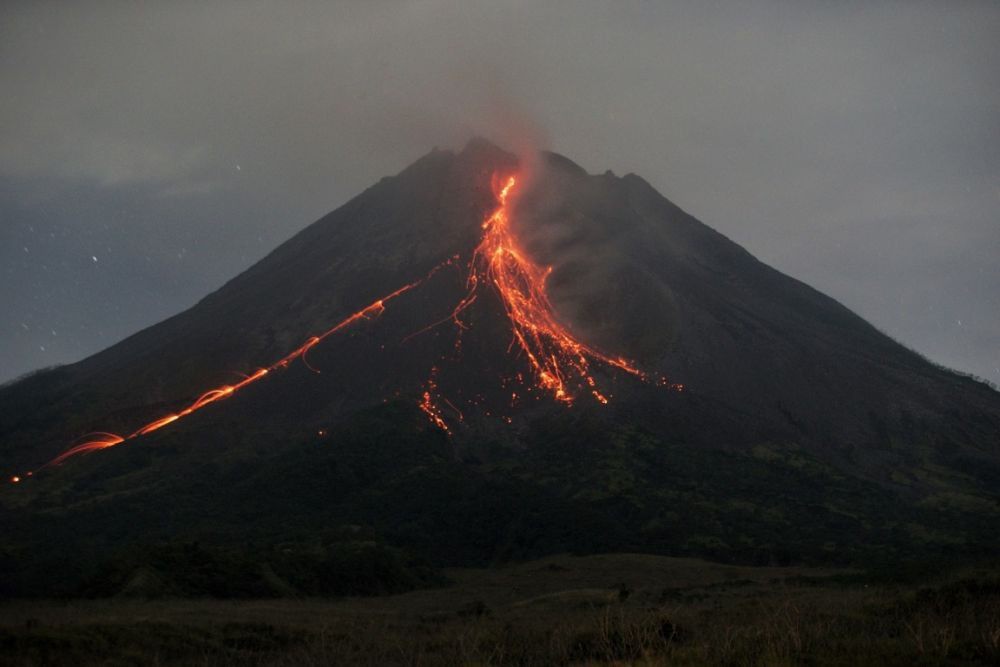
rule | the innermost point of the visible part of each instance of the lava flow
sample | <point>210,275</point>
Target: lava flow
<point>103,440</point>
<point>559,363</point>
<point>557,359</point>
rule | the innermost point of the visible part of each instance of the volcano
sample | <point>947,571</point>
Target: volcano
<point>482,358</point>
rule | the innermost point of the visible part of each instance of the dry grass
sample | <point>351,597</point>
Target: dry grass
<point>560,611</point>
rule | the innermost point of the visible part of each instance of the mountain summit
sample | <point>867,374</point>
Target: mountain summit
<point>541,344</point>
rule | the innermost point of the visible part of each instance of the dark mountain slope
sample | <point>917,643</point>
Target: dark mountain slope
<point>635,272</point>
<point>802,431</point>
<point>391,234</point>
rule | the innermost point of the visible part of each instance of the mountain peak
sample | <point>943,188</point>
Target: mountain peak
<point>481,149</point>
<point>438,345</point>
<point>600,265</point>
<point>562,163</point>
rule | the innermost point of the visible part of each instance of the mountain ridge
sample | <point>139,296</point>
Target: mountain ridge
<point>433,225</point>
<point>793,406</point>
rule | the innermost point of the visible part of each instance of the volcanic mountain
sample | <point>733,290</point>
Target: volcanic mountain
<point>481,358</point>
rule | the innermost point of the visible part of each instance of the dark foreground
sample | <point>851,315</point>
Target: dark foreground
<point>624,609</point>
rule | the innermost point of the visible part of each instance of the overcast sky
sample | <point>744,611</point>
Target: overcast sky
<point>151,151</point>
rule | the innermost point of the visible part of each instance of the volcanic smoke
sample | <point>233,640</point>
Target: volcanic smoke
<point>559,363</point>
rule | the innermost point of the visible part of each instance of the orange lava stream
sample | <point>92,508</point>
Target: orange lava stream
<point>560,363</point>
<point>430,407</point>
<point>558,360</point>
<point>103,440</point>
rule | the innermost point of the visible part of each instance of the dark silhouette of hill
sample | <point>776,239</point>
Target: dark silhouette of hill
<point>802,432</point>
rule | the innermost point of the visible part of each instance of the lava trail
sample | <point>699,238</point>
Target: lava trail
<point>104,440</point>
<point>559,362</point>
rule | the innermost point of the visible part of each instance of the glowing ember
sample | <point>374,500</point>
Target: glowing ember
<point>91,443</point>
<point>430,407</point>
<point>433,412</point>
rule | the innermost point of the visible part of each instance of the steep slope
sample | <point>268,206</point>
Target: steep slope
<point>794,413</point>
<point>633,270</point>
<point>393,233</point>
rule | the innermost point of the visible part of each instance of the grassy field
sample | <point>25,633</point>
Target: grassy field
<point>623,609</point>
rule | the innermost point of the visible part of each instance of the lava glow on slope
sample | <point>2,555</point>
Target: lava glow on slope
<point>103,440</point>
<point>557,359</point>
<point>559,363</point>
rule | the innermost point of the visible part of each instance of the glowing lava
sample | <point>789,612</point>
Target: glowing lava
<point>559,363</point>
<point>103,440</point>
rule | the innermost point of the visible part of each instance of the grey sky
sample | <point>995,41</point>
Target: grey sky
<point>151,151</point>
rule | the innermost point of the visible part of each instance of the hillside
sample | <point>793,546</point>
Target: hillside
<point>748,417</point>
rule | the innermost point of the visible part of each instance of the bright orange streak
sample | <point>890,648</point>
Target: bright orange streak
<point>558,360</point>
<point>102,440</point>
<point>97,441</point>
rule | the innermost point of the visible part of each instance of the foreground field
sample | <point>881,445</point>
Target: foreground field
<point>629,609</point>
